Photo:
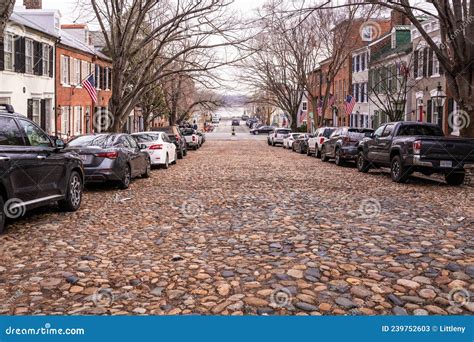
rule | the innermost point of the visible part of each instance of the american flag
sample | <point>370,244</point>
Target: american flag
<point>349,104</point>
<point>320,107</point>
<point>331,100</point>
<point>89,84</point>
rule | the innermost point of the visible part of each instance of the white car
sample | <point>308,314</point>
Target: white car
<point>160,148</point>
<point>288,141</point>
<point>277,136</point>
<point>193,140</point>
<point>316,143</point>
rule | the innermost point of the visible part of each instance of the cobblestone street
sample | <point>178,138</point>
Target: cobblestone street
<point>240,227</point>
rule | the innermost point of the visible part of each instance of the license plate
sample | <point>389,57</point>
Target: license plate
<point>446,163</point>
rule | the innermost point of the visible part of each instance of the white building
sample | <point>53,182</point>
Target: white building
<point>27,72</point>
<point>360,77</point>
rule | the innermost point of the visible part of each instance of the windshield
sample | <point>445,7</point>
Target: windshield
<point>327,132</point>
<point>141,138</point>
<point>283,131</point>
<point>420,130</point>
<point>102,140</point>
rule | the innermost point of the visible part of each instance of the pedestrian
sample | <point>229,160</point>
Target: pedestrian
<point>195,126</point>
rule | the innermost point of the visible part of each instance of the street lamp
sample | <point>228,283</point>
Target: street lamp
<point>438,96</point>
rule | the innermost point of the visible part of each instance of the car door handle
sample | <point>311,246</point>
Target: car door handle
<point>4,158</point>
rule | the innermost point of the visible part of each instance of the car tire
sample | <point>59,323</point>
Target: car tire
<point>74,190</point>
<point>324,158</point>
<point>308,152</point>
<point>3,217</point>
<point>362,164</point>
<point>147,172</point>
<point>181,154</point>
<point>166,165</point>
<point>273,143</point>
<point>398,172</point>
<point>301,150</point>
<point>338,158</point>
<point>456,178</point>
<point>256,132</point>
<point>317,153</point>
<point>175,158</point>
<point>185,152</point>
<point>126,179</point>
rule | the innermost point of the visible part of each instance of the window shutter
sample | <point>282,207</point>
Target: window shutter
<point>30,109</point>
<point>415,64</point>
<point>428,111</point>
<point>37,58</point>
<point>430,62</point>
<point>110,79</point>
<point>19,54</point>
<point>425,62</point>
<point>2,56</point>
<point>51,61</point>
<point>394,78</point>
<point>43,114</point>
<point>96,76</point>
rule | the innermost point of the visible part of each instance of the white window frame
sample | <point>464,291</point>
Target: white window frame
<point>84,69</point>
<point>65,79</point>
<point>9,43</point>
<point>29,60</point>
<point>65,116</point>
<point>36,111</point>
<point>97,77</point>
<point>77,72</point>
<point>77,120</point>
<point>46,48</point>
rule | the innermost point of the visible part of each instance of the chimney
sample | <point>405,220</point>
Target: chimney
<point>33,4</point>
<point>398,18</point>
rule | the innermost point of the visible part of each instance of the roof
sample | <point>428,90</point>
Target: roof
<point>20,19</point>
<point>69,40</point>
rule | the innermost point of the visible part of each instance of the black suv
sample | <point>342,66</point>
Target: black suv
<point>34,171</point>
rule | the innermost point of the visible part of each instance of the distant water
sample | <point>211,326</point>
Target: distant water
<point>230,112</point>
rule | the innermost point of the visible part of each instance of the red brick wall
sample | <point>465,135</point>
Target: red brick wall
<point>76,96</point>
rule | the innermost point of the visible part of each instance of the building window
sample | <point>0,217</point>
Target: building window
<point>77,71</point>
<point>65,69</point>
<point>36,117</point>
<point>85,70</point>
<point>78,120</point>
<point>107,79</point>
<point>420,63</point>
<point>97,76</point>
<point>45,60</point>
<point>65,120</point>
<point>362,61</point>
<point>305,105</point>
<point>435,65</point>
<point>28,56</point>
<point>9,52</point>
<point>357,63</point>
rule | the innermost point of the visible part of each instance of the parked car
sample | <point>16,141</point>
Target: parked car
<point>256,124</point>
<point>277,136</point>
<point>316,142</point>
<point>178,139</point>
<point>34,169</point>
<point>235,122</point>
<point>251,121</point>
<point>289,139</point>
<point>245,117</point>
<point>262,129</point>
<point>300,145</point>
<point>192,138</point>
<point>202,135</point>
<point>342,144</point>
<point>408,147</point>
<point>111,157</point>
<point>160,148</point>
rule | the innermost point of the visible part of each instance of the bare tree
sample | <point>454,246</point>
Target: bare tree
<point>456,50</point>
<point>6,9</point>
<point>167,31</point>
<point>153,106</point>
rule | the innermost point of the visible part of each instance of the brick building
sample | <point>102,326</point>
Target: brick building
<point>76,59</point>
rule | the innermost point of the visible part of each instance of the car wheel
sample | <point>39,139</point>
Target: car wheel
<point>126,179</point>
<point>257,132</point>
<point>181,154</point>
<point>324,158</point>
<point>398,172</point>
<point>2,215</point>
<point>338,158</point>
<point>317,154</point>
<point>147,169</point>
<point>166,165</point>
<point>175,158</point>
<point>455,178</point>
<point>273,143</point>
<point>185,153</point>
<point>362,164</point>
<point>301,150</point>
<point>73,199</point>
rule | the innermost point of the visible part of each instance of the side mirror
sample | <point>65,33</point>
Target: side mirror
<point>59,143</point>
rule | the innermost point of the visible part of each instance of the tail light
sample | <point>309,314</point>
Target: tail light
<point>155,147</point>
<point>321,141</point>
<point>108,155</point>
<point>178,137</point>
<point>417,147</point>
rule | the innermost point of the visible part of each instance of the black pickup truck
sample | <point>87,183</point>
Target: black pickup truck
<point>408,147</point>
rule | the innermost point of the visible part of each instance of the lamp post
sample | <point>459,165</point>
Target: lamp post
<point>438,97</point>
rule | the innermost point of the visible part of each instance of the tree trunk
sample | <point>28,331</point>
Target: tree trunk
<point>6,9</point>
<point>466,122</point>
